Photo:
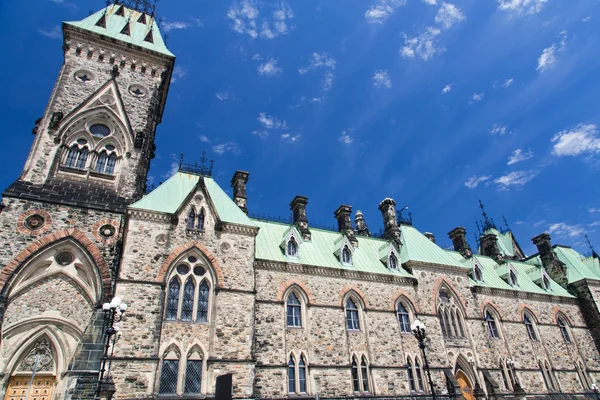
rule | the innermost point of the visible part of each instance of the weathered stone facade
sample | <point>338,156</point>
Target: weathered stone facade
<point>289,310</point>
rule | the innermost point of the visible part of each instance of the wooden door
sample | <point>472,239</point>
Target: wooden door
<point>41,388</point>
<point>465,385</point>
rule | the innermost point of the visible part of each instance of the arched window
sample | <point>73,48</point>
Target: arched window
<point>545,282</point>
<point>101,162</point>
<point>187,305</point>
<point>491,323</point>
<point>72,156</point>
<point>352,315</point>
<point>173,299</point>
<point>411,377</point>
<point>169,376</point>
<point>365,374</point>
<point>203,293</point>
<point>201,220</point>
<point>393,261</point>
<point>453,319</point>
<point>82,158</point>
<point>106,163</point>
<point>292,247</point>
<point>191,220</point>
<point>302,375</point>
<point>110,164</point>
<point>291,375</point>
<point>528,321</point>
<point>294,311</point>
<point>505,376</point>
<point>346,255</point>
<point>403,318</point>
<point>477,275</point>
<point>564,331</point>
<point>512,278</point>
<point>192,301</point>
<point>547,376</point>
<point>355,378</point>
<point>450,315</point>
<point>583,376</point>
<point>419,374</point>
<point>193,375</point>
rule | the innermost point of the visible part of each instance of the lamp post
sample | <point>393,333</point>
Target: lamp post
<point>595,389</point>
<point>113,312</point>
<point>418,329</point>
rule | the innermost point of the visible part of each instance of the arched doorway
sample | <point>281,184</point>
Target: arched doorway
<point>34,377</point>
<point>465,385</point>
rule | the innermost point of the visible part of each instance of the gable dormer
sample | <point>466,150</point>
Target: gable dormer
<point>291,243</point>
<point>389,256</point>
<point>344,250</point>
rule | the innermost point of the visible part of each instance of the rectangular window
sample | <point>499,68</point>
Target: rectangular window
<point>168,377</point>
<point>193,377</point>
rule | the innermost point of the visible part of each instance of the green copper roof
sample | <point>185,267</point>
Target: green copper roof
<point>576,268</point>
<point>320,250</point>
<point>168,197</point>
<point>114,25</point>
<point>417,247</point>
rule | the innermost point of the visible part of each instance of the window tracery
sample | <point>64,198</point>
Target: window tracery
<point>450,316</point>
<point>297,375</point>
<point>360,375</point>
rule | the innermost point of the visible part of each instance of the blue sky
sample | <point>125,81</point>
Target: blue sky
<point>435,104</point>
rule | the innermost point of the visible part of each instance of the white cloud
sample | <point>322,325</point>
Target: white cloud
<point>173,25</point>
<point>594,210</point>
<point>475,180</point>
<point>593,224</point>
<point>261,133</point>
<point>269,68</point>
<point>204,138</point>
<point>327,81</point>
<point>54,33</point>
<point>448,15</point>
<point>498,129</point>
<point>381,11</point>
<point>430,2</point>
<point>477,96</point>
<point>518,155</point>
<point>586,19</point>
<point>245,19</point>
<point>521,6</point>
<point>447,89</point>
<point>318,60</point>
<point>516,178</point>
<point>548,57</point>
<point>345,137</point>
<point>290,138</point>
<point>561,229</point>
<point>229,147</point>
<point>270,122</point>
<point>423,46</point>
<point>508,82</point>
<point>581,139</point>
<point>315,100</point>
<point>178,73</point>
<point>224,96</point>
<point>381,79</point>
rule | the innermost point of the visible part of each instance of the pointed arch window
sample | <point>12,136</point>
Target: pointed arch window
<point>297,375</point>
<point>203,293</point>
<point>102,163</point>
<point>564,330</point>
<point>292,247</point>
<point>291,375</point>
<point>477,274</point>
<point>72,156</point>
<point>82,158</point>
<point>355,377</point>
<point>419,374</point>
<point>546,282</point>
<point>583,376</point>
<point>173,299</point>
<point>505,376</point>
<point>491,323</point>
<point>352,315</point>
<point>512,278</point>
<point>77,157</point>
<point>294,311</point>
<point>193,376</point>
<point>169,377</point>
<point>529,325</point>
<point>302,375</point>
<point>411,376</point>
<point>393,261</point>
<point>403,318</point>
<point>547,375</point>
<point>364,375</point>
<point>191,220</point>
<point>201,220</point>
<point>346,255</point>
<point>450,316</point>
<point>187,304</point>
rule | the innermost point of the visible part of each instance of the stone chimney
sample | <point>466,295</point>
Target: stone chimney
<point>429,236</point>
<point>489,246</point>
<point>342,214</point>
<point>390,223</point>
<point>298,207</point>
<point>553,266</point>
<point>361,226</point>
<point>458,236</point>
<point>238,183</point>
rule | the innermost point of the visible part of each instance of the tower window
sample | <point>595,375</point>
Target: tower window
<point>202,302</point>
<point>99,130</point>
<point>105,163</point>
<point>191,221</point>
<point>201,220</point>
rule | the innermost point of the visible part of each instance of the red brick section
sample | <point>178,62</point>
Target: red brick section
<point>556,310</point>
<point>435,291</point>
<point>407,298</point>
<point>12,268</point>
<point>294,282</point>
<point>493,305</point>
<point>352,288</point>
<point>22,228</point>
<point>524,307</point>
<point>182,249</point>
<point>101,239</point>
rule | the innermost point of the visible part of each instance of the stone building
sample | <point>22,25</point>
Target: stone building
<point>290,310</point>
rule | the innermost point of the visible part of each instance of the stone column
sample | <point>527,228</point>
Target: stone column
<point>390,223</point>
<point>429,236</point>
<point>342,214</point>
<point>238,183</point>
<point>458,236</point>
<point>298,207</point>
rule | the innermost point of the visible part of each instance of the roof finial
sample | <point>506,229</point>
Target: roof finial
<point>506,223</point>
<point>478,228</point>
<point>487,223</point>
<point>587,239</point>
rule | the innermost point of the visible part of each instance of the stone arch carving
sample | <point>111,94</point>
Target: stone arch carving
<point>294,284</point>
<point>556,312</point>
<point>463,364</point>
<point>354,291</point>
<point>403,296</point>
<point>14,266</point>
<point>26,345</point>
<point>180,250</point>
<point>524,307</point>
<point>443,281</point>
<point>490,304</point>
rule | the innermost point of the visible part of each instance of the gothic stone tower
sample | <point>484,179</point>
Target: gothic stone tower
<point>61,222</point>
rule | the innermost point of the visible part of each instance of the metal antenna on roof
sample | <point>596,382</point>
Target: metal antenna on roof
<point>506,223</point>
<point>478,228</point>
<point>587,239</point>
<point>487,224</point>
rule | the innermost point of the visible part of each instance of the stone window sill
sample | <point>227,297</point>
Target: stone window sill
<point>72,170</point>
<point>171,321</point>
<point>102,175</point>
<point>295,328</point>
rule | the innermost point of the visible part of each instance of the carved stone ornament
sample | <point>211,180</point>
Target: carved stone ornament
<point>55,119</point>
<point>37,126</point>
<point>139,139</point>
<point>115,71</point>
<point>45,363</point>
